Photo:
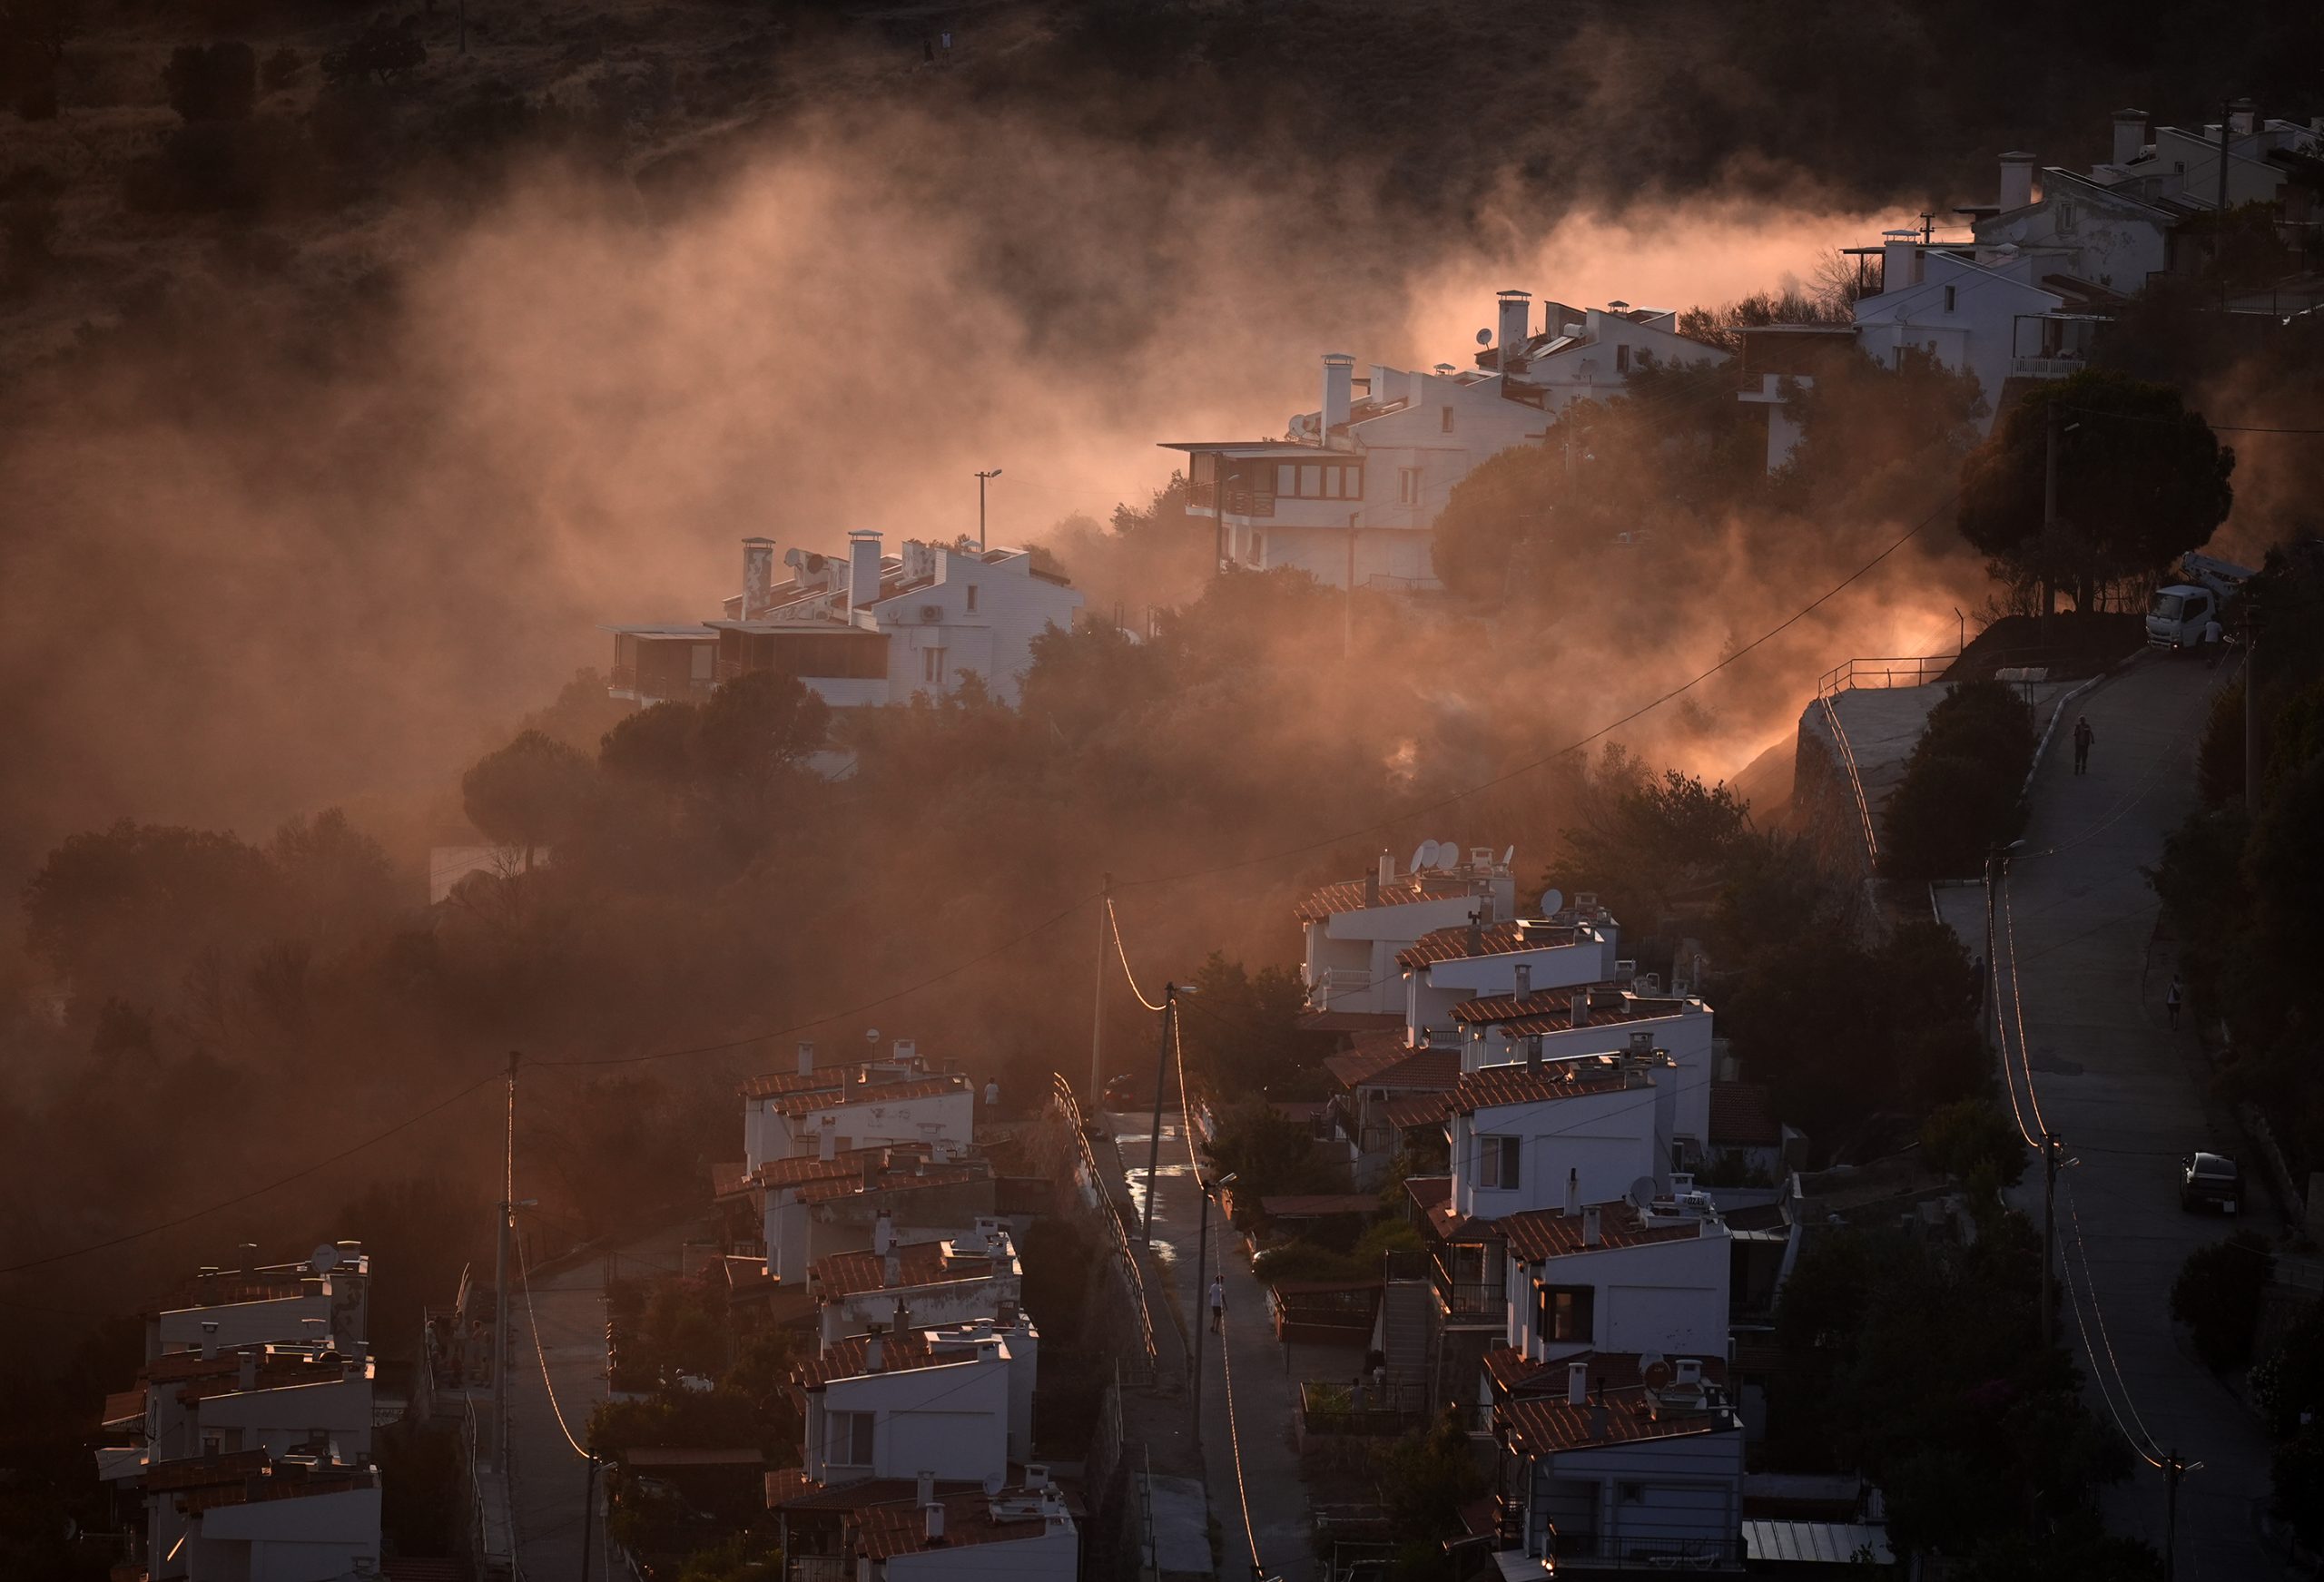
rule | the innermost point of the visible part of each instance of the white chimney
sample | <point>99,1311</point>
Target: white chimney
<point>935,1521</point>
<point>1900,260</point>
<point>1534,1054</point>
<point>1591,1225</point>
<point>806,1057</point>
<point>874,1354</point>
<point>827,1138</point>
<point>863,569</point>
<point>1580,1017</point>
<point>758,576</point>
<point>1339,383</point>
<point>884,1234</point>
<point>927,1489</point>
<point>2130,135</point>
<point>1524,978</point>
<point>1387,868</point>
<point>892,1272</point>
<point>1577,1383</point>
<point>1513,309</point>
<point>2016,179</point>
<point>1573,1192</point>
<point>2244,118</point>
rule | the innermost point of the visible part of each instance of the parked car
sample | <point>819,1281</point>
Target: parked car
<point>1133,1091</point>
<point>2210,1179</point>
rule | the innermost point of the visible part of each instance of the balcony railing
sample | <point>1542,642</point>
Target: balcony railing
<point>1619,1551</point>
<point>1327,1407</point>
<point>1241,500</point>
<point>1467,1299</point>
<point>2046,368</point>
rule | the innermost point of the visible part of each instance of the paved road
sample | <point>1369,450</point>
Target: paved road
<point>2126,1095</point>
<point>1263,1393</point>
<point>564,1332</point>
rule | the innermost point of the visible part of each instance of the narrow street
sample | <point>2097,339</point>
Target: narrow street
<point>2127,1094</point>
<point>561,1333</point>
<point>1258,1497</point>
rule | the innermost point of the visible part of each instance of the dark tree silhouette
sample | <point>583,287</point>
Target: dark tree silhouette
<point>529,793</point>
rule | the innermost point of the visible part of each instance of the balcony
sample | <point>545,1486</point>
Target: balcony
<point>2046,368</point>
<point>1617,1552</point>
<point>1470,1301</point>
<point>1328,1409</point>
<point>1202,500</point>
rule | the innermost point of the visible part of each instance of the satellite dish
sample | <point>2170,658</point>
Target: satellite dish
<point>1552,903</point>
<point>323,1259</point>
<point>1425,857</point>
<point>1448,855</point>
<point>1643,1191</point>
<point>1484,338</point>
<point>1508,856</point>
<point>871,1035</point>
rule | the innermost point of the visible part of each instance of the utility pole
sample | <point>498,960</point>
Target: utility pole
<point>2218,208</point>
<point>2251,706</point>
<point>2053,427</point>
<point>1347,602</point>
<point>588,1507</point>
<point>500,1287</point>
<point>1097,1016</point>
<point>2049,1231</point>
<point>982,478</point>
<point>2173,1469</point>
<point>1161,1073</point>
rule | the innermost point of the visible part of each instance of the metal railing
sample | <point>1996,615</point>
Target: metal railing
<point>1856,779</point>
<point>1616,1551</point>
<point>1901,671</point>
<point>2046,368</point>
<point>1467,1299</point>
<point>1357,1410</point>
<point>1061,1094</point>
<point>1240,501</point>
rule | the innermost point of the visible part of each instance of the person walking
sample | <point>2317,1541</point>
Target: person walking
<point>2170,1003</point>
<point>1218,1304</point>
<point>2083,737</point>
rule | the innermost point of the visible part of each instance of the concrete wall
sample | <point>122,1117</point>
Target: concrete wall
<point>1431,991</point>
<point>317,1538</point>
<point>874,1122</point>
<point>1659,1296</point>
<point>1654,1492</point>
<point>993,640</point>
<point>951,1420</point>
<point>1054,1557</point>
<point>1609,1137</point>
<point>1685,1037</point>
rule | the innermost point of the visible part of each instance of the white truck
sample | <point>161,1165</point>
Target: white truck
<point>2182,613</point>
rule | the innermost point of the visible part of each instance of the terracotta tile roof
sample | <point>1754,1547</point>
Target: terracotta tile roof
<point>278,1483</point>
<point>1551,1010</point>
<point>1356,895</point>
<point>1544,1425</point>
<point>1350,1021</point>
<point>1428,1191</point>
<point>232,1285</point>
<point>789,1489</point>
<point>729,1180</point>
<point>194,1471</point>
<point>1367,1053</point>
<point>1419,1109</point>
<point>828,1188</point>
<point>803,1103</point>
<point>1318,1205</point>
<point>1424,1070</point>
<point>125,1406</point>
<point>845,1359</point>
<point>917,1263</point>
<point>1548,1232</point>
<point>275,1375</point>
<point>174,1367</point>
<point>1493,1086</point>
<point>775,1083</point>
<point>887,1530</point>
<point>1505,938</point>
<point>1744,1114</point>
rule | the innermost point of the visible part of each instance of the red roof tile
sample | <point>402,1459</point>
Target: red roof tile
<point>887,1530</point>
<point>917,1263</point>
<point>1318,1205</point>
<point>845,1359</point>
<point>194,1471</point>
<point>125,1406</point>
<point>1390,1064</point>
<point>1551,1010</point>
<point>1513,1372</point>
<point>1505,938</point>
<point>775,1083</point>
<point>1419,1109</point>
<point>1744,1114</point>
<point>1428,1191</point>
<point>1493,1086</point>
<point>1357,895</point>
<point>1350,1021</point>
<point>828,1188</point>
<point>1544,1425</point>
<point>1548,1232</point>
<point>803,1103</point>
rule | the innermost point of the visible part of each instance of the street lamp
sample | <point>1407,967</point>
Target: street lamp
<point>1202,1263</point>
<point>982,479</point>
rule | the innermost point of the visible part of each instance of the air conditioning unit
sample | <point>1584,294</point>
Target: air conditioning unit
<point>930,614</point>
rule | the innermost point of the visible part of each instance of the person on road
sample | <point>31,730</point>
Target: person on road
<point>2083,737</point>
<point>1218,1304</point>
<point>2170,1004</point>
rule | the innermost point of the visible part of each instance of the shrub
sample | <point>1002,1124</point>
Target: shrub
<point>1959,796</point>
<point>2217,1297</point>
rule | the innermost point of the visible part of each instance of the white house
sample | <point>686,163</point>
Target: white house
<point>1564,1024</point>
<point>926,1528</point>
<point>954,1402</point>
<point>1616,1276</point>
<point>1352,492</point>
<point>876,1104</point>
<point>1352,930</point>
<point>1534,1135</point>
<point>861,629</point>
<point>902,1285</point>
<point>1448,966</point>
<point>812,1208</point>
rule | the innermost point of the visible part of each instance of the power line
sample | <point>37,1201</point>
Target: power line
<point>533,1322</point>
<point>1113,921</point>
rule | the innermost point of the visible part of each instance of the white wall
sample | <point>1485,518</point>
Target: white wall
<point>318,1538</point>
<point>1657,1296</point>
<point>1977,333</point>
<point>994,640</point>
<point>954,1302</point>
<point>1689,1489</point>
<point>281,1322</point>
<point>876,1123</point>
<point>1609,1137</point>
<point>1685,1037</point>
<point>951,1420</point>
<point>280,1418</point>
<point>1365,943</point>
<point>1054,1557</point>
<point>1431,992</point>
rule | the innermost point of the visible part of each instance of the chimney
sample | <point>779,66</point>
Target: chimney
<point>1534,1054</point>
<point>806,1057</point>
<point>874,1160</point>
<point>1513,309</point>
<point>1577,1383</point>
<point>209,1337</point>
<point>863,569</point>
<point>1339,381</point>
<point>892,1269</point>
<point>1387,868</point>
<point>1573,1191</point>
<point>1476,933</point>
<point>758,576</point>
<point>1579,1016</point>
<point>884,1234</point>
<point>1900,260</point>
<point>1524,978</point>
<point>927,1489</point>
<point>1591,1227</point>
<point>2243,117</point>
<point>1372,889</point>
<point>2016,179</point>
<point>2130,135</point>
<point>935,1523</point>
<point>827,1139</point>
<point>874,1352</point>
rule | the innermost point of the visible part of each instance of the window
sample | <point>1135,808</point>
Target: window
<point>1565,1312</point>
<point>1408,486</point>
<point>1447,416</point>
<point>1286,478</point>
<point>1948,298</point>
<point>1319,481</point>
<point>1621,358</point>
<point>1311,480</point>
<point>1632,1493</point>
<point>932,666</point>
<point>849,1439</point>
<point>1258,547</point>
<point>1497,1161</point>
<point>973,598</point>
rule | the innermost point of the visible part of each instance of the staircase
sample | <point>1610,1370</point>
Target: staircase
<point>1408,1322</point>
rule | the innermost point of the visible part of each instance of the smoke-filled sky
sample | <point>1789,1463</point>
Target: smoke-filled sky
<point>267,557</point>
